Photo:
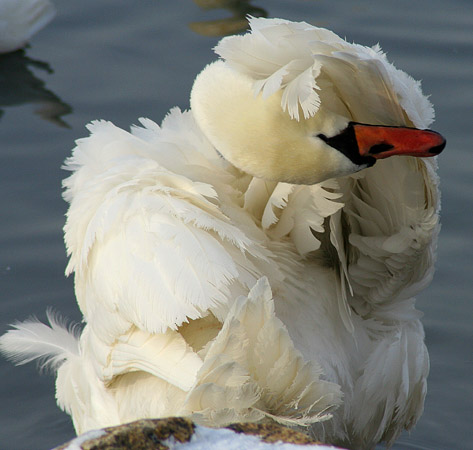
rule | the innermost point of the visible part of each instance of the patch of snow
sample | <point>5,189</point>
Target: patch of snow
<point>76,443</point>
<point>223,439</point>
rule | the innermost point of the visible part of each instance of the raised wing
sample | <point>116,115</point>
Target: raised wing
<point>299,58</point>
<point>144,241</point>
<point>392,216</point>
<point>152,249</point>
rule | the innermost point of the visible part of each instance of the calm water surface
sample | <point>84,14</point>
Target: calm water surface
<point>121,60</point>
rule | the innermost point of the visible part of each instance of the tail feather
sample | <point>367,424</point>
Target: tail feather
<point>33,340</point>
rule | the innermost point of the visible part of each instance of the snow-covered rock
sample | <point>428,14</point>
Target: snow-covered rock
<point>178,433</point>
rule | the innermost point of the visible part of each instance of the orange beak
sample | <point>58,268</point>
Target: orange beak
<point>384,141</point>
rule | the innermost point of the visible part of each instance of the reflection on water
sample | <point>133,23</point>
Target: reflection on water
<point>19,85</point>
<point>230,25</point>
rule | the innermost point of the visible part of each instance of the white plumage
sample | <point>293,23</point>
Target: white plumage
<point>231,266</point>
<point>20,19</point>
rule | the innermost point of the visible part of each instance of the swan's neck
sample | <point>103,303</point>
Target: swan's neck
<point>257,136</point>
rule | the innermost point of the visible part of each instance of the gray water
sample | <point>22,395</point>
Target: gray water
<point>120,60</point>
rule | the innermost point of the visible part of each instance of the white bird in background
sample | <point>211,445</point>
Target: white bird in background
<point>256,257</point>
<point>20,19</point>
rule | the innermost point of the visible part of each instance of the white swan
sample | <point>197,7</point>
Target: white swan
<point>20,19</point>
<point>239,264</point>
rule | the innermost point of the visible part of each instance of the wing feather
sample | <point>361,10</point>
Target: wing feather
<point>165,355</point>
<point>144,240</point>
<point>390,236</point>
<point>239,367</point>
<point>393,382</point>
<point>297,57</point>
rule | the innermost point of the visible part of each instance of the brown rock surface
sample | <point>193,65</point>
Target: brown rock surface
<point>152,434</point>
<point>272,432</point>
<point>145,434</point>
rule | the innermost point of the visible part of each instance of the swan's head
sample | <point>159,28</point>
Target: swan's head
<point>257,136</point>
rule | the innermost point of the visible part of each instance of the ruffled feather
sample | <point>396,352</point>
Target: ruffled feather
<point>49,345</point>
<point>291,56</point>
